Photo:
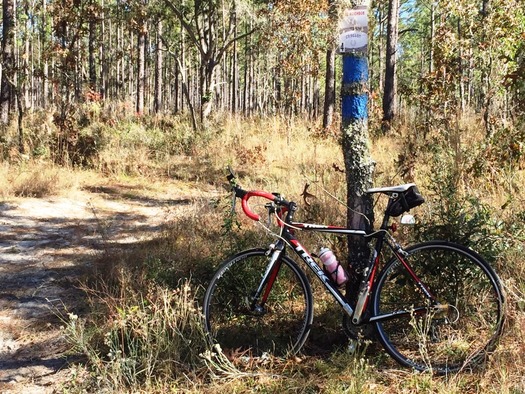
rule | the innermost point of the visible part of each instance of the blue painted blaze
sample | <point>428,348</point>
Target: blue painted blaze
<point>355,71</point>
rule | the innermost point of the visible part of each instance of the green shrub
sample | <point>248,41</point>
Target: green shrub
<point>455,216</point>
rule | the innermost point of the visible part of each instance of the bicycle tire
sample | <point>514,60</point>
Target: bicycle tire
<point>229,321</point>
<point>448,342</point>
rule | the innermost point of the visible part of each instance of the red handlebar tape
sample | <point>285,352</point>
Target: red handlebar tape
<point>254,193</point>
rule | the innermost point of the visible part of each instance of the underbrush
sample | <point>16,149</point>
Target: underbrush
<point>145,334</point>
<point>34,179</point>
<point>144,330</point>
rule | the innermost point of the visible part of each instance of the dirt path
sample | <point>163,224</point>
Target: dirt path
<point>46,245</point>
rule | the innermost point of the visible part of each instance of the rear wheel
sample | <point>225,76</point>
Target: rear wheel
<point>280,326</point>
<point>459,334</point>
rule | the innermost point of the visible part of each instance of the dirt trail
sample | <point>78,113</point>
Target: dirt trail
<point>46,245</point>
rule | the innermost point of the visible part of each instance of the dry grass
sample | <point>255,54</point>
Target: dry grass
<point>279,155</point>
<point>36,179</point>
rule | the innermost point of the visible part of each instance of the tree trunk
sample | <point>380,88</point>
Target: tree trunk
<point>486,77</point>
<point>158,71</point>
<point>105,47</point>
<point>359,170</point>
<point>8,35</point>
<point>234,74</point>
<point>91,54</point>
<point>316,98</point>
<point>247,59</point>
<point>389,94</point>
<point>380,47</point>
<point>432,34</point>
<point>329,90</point>
<point>461,71</point>
<point>141,72</point>
<point>27,73</point>
<point>358,164</point>
<point>186,93</point>
<point>182,65</point>
<point>119,72</point>
<point>79,68</point>
<point>329,87</point>
<point>43,40</point>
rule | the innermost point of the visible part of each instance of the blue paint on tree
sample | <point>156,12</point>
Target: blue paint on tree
<point>355,72</point>
<point>355,69</point>
<point>354,106</point>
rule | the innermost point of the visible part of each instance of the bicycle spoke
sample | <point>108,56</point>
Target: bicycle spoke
<point>462,331</point>
<point>280,326</point>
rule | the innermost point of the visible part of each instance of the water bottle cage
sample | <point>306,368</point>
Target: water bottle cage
<point>332,274</point>
<point>336,269</point>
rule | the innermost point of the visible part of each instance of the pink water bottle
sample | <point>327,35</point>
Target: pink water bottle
<point>332,266</point>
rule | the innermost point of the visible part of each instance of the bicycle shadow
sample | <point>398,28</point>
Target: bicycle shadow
<point>328,336</point>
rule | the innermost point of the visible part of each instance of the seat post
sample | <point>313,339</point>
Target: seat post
<point>386,216</point>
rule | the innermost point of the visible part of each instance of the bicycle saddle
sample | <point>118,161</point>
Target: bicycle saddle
<point>391,189</point>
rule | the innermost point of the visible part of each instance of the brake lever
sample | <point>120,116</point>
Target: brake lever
<point>231,176</point>
<point>271,210</point>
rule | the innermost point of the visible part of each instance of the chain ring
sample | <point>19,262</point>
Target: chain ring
<point>358,333</point>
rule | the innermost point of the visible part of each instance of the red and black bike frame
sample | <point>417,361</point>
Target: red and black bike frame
<point>285,211</point>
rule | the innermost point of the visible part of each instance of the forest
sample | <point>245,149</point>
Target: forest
<point>156,95</point>
<point>255,58</point>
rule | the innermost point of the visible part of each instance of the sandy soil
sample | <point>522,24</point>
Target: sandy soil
<point>46,246</point>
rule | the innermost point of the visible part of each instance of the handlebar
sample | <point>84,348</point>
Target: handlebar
<point>245,195</point>
<point>256,193</point>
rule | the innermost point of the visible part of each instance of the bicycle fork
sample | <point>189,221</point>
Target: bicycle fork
<point>260,297</point>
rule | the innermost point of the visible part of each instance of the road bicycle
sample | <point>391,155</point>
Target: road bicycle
<point>434,306</point>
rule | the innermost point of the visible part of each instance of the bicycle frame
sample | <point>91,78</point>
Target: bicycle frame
<point>367,283</point>
<point>286,209</point>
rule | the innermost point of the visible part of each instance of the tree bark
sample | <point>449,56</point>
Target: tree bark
<point>486,77</point>
<point>461,71</point>
<point>389,94</point>
<point>234,73</point>
<point>91,54</point>
<point>158,70</point>
<point>329,87</point>
<point>141,72</point>
<point>432,36</point>
<point>359,166</point>
<point>8,35</point>
<point>105,48</point>
<point>329,95</point>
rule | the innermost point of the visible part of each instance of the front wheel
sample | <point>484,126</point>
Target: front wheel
<point>465,325</point>
<point>238,324</point>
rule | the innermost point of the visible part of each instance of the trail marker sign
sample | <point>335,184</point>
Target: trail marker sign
<point>353,30</point>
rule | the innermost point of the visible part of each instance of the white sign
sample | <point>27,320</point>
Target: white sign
<point>353,29</point>
<point>354,19</point>
<point>352,40</point>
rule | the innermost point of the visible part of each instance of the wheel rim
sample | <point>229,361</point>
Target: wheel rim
<point>279,327</point>
<point>447,341</point>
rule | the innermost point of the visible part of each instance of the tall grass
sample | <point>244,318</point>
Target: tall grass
<point>144,333</point>
<point>146,336</point>
<point>35,179</point>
